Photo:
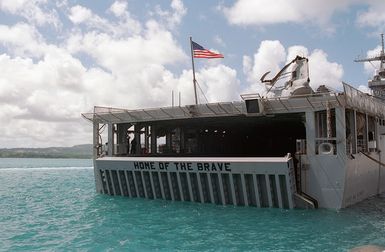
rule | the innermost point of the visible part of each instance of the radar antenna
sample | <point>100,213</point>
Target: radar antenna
<point>377,83</point>
<point>380,57</point>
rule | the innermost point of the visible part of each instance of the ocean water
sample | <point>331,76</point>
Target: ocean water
<point>51,205</point>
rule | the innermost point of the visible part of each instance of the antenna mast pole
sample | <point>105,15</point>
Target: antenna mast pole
<point>380,58</point>
<point>193,68</point>
<point>382,50</point>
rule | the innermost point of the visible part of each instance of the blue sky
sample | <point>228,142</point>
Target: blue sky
<point>59,58</point>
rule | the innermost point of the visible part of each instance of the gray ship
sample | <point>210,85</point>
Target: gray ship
<point>293,147</point>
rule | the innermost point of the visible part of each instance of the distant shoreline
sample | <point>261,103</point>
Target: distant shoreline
<point>48,157</point>
<point>83,151</point>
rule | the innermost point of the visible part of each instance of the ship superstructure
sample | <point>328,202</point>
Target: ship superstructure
<point>296,148</point>
<point>377,83</point>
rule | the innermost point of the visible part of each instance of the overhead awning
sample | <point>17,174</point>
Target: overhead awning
<point>350,98</point>
<point>116,115</point>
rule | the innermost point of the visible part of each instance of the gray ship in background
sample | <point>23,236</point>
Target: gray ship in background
<point>292,147</point>
<point>377,84</point>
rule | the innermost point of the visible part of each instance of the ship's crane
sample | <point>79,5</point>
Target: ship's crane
<point>280,74</point>
<point>299,81</point>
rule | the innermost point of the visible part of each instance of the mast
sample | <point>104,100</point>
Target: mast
<point>193,68</point>
<point>377,84</point>
<point>380,57</point>
<point>382,51</point>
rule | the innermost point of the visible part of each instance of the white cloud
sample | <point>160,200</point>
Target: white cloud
<point>247,63</point>
<point>218,40</point>
<point>374,16</point>
<point>219,83</point>
<point>316,12</point>
<point>271,56</point>
<point>41,102</point>
<point>82,15</point>
<point>125,26</point>
<point>135,63</point>
<point>370,67</point>
<point>324,72</point>
<point>265,12</point>
<point>45,99</point>
<point>12,5</point>
<point>39,87</point>
<point>128,55</point>
<point>179,12</point>
<point>35,11</point>
<point>22,39</point>
<point>118,8</point>
<point>172,18</point>
<point>36,101</point>
<point>293,51</point>
<point>79,14</point>
<point>35,133</point>
<point>365,89</point>
<point>246,12</point>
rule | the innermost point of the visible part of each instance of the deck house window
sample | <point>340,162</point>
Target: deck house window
<point>362,136</point>
<point>350,132</point>
<point>325,127</point>
<point>372,134</point>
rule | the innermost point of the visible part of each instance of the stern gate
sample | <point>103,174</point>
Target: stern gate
<point>260,182</point>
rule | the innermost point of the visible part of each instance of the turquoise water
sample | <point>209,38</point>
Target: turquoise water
<point>51,204</point>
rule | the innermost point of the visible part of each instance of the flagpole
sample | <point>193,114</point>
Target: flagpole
<point>193,68</point>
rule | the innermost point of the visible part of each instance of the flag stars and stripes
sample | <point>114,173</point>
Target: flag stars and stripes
<point>200,52</point>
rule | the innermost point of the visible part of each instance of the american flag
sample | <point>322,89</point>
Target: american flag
<point>200,52</point>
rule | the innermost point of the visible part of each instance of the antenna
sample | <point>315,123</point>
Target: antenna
<point>382,50</point>
<point>172,98</point>
<point>377,83</point>
<point>380,57</point>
